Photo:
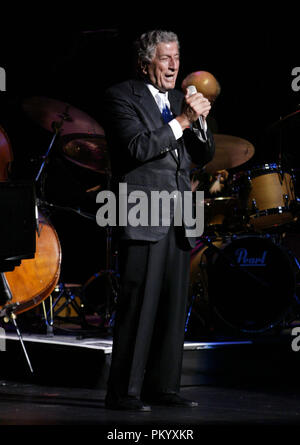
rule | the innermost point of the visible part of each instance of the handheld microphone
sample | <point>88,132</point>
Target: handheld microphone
<point>191,89</point>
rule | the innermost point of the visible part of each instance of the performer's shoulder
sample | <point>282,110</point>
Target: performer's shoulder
<point>126,86</point>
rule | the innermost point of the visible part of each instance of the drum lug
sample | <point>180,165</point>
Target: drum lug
<point>286,200</point>
<point>254,206</point>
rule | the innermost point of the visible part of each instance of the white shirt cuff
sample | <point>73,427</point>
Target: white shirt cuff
<point>176,128</point>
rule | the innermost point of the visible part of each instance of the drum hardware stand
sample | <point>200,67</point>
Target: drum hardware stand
<point>47,205</point>
<point>111,275</point>
<point>254,206</point>
<point>286,201</point>
<point>64,292</point>
<point>206,318</point>
<point>49,324</point>
<point>189,313</point>
<point>56,126</point>
<point>111,284</point>
<point>8,314</point>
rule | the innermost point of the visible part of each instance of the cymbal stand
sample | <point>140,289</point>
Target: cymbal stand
<point>109,273</point>
<point>281,160</point>
<point>56,126</point>
<point>48,206</point>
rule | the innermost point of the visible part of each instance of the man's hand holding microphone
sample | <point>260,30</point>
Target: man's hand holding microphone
<point>195,109</point>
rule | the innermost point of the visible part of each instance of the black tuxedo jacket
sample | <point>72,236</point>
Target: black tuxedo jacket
<point>142,150</point>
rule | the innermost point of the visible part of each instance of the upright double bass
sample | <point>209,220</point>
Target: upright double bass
<point>34,279</point>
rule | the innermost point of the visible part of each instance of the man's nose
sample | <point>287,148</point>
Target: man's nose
<point>172,64</point>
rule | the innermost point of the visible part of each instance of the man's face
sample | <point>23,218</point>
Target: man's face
<point>163,69</point>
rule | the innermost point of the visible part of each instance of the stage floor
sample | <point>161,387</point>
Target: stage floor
<point>32,404</point>
<point>238,382</point>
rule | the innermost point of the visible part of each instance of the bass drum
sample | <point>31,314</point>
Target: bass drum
<point>35,279</point>
<point>251,283</point>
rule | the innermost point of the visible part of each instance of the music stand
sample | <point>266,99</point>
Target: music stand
<point>18,225</point>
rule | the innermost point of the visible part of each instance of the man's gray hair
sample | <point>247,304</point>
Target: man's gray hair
<point>147,43</point>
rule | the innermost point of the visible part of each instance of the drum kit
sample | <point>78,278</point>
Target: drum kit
<point>239,264</point>
<point>243,276</point>
<point>243,273</point>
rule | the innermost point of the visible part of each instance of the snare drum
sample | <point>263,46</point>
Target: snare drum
<point>270,196</point>
<point>218,210</point>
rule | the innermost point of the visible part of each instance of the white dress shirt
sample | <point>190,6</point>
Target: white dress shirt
<point>174,124</point>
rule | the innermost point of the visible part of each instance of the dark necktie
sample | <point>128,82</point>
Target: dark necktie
<point>164,109</point>
<point>166,114</point>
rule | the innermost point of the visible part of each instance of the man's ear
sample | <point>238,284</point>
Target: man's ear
<point>143,68</point>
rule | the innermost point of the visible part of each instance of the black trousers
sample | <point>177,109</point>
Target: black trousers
<point>150,317</point>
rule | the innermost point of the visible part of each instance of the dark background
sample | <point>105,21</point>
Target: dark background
<point>251,55</point>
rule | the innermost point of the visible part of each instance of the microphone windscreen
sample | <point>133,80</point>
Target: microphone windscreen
<point>191,89</point>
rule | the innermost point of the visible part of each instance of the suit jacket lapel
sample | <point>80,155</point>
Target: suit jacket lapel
<point>175,102</point>
<point>148,102</point>
<point>152,110</point>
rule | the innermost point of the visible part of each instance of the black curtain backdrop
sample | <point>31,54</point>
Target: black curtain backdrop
<point>74,61</point>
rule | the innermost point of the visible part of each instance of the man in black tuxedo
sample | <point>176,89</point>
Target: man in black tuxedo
<point>152,142</point>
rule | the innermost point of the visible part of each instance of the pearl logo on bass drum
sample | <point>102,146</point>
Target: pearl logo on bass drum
<point>244,260</point>
<point>258,278</point>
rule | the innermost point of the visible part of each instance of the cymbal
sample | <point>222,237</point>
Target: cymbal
<point>86,150</point>
<point>231,151</point>
<point>292,118</point>
<point>51,114</point>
